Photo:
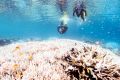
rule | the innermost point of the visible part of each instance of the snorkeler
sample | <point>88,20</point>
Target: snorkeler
<point>63,25</point>
<point>80,10</point>
<point>62,28</point>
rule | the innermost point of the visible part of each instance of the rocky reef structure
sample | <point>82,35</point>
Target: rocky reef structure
<point>59,59</point>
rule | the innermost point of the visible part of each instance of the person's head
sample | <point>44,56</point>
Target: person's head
<point>83,5</point>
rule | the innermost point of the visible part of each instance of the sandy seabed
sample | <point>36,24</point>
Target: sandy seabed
<point>59,59</point>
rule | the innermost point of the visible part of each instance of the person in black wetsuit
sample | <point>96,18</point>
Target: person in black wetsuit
<point>62,28</point>
<point>80,10</point>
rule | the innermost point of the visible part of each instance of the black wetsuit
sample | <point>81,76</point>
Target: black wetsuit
<point>79,10</point>
<point>83,11</point>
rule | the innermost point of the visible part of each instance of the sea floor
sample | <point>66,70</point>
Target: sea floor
<point>58,59</point>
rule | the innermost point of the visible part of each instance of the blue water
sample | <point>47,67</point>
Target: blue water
<point>39,19</point>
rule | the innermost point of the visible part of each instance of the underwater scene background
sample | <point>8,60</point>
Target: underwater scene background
<point>39,19</point>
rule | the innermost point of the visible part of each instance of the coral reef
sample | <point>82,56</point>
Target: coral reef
<point>59,59</point>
